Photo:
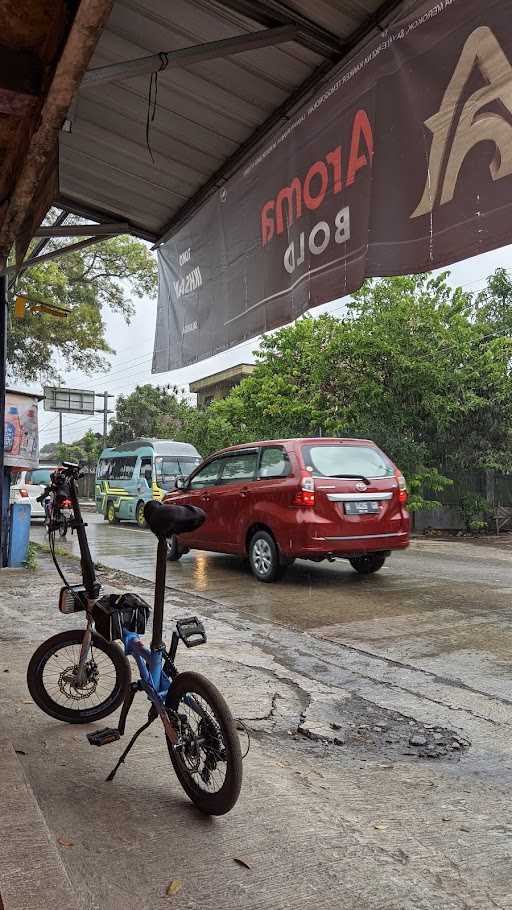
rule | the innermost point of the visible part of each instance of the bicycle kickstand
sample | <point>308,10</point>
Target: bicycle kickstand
<point>152,716</point>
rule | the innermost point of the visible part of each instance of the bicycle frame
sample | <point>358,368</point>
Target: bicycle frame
<point>150,662</point>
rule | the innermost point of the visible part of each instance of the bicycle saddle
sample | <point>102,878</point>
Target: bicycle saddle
<point>166,520</point>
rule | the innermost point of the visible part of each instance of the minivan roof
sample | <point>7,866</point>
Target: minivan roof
<point>159,446</point>
<point>303,440</point>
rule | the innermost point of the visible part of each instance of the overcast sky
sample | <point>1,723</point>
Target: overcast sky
<point>133,344</point>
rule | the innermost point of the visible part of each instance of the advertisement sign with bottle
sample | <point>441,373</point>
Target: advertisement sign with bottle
<point>21,437</point>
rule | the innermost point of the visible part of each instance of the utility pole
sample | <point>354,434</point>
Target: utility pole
<point>4,480</point>
<point>105,411</point>
<point>60,427</point>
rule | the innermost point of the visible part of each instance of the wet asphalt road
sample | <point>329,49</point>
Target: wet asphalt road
<point>423,646</point>
<point>442,606</point>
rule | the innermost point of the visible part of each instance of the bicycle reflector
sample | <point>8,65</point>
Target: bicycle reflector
<point>72,599</point>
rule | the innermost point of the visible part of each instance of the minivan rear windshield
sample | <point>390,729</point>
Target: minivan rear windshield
<point>342,460</point>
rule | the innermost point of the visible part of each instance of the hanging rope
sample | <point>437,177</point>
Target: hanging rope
<point>152,99</point>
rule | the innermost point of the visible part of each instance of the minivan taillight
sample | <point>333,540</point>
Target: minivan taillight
<point>402,488</point>
<point>24,493</point>
<point>306,494</point>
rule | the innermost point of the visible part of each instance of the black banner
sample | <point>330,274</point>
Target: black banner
<point>401,163</point>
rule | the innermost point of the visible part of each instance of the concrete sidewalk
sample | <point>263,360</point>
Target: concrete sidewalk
<point>338,809</point>
<point>32,873</point>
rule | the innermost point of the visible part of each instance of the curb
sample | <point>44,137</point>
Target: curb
<point>32,874</point>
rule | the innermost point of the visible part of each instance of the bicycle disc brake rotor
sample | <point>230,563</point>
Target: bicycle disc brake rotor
<point>68,686</point>
<point>203,747</point>
<point>212,747</point>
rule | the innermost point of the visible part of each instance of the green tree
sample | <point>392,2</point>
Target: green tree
<point>222,424</point>
<point>422,369</point>
<point>87,449</point>
<point>89,281</point>
<point>149,411</point>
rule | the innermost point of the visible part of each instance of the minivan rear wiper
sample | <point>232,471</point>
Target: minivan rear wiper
<point>352,477</point>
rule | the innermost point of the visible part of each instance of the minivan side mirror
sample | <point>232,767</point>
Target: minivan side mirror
<point>181,482</point>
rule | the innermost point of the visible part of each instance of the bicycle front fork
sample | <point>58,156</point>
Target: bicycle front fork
<point>84,653</point>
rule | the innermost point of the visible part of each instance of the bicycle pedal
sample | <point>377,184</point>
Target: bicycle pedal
<point>191,631</point>
<point>104,737</point>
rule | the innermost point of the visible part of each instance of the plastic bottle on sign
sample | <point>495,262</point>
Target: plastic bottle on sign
<point>12,432</point>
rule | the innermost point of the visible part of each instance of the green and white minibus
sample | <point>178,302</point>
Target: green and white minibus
<point>133,473</point>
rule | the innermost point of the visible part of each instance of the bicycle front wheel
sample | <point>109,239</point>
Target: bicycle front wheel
<point>52,684</point>
<point>208,763</point>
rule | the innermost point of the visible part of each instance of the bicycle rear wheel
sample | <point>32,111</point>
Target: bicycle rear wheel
<point>208,764</point>
<point>50,678</point>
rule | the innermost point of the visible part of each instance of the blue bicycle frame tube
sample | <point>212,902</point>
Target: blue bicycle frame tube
<point>150,664</point>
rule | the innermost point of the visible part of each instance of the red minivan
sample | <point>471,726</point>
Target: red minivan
<point>313,499</point>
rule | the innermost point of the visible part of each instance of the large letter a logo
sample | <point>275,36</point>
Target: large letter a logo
<point>475,125</point>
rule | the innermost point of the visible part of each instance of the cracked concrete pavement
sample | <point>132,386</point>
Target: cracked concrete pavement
<point>338,808</point>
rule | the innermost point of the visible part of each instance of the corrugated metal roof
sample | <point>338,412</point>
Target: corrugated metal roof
<point>204,113</point>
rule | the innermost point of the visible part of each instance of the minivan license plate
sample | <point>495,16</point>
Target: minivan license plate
<point>365,507</point>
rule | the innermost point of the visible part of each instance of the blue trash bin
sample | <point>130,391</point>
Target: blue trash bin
<point>19,533</point>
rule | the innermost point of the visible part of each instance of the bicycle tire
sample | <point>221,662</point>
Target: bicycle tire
<point>46,703</point>
<point>224,799</point>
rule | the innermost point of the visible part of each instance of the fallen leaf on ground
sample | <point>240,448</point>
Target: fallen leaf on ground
<point>380,827</point>
<point>65,843</point>
<point>241,862</point>
<point>20,752</point>
<point>173,887</point>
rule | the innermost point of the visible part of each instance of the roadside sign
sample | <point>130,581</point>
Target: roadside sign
<point>21,440</point>
<point>68,401</point>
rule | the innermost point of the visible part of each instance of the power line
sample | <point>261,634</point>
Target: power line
<point>45,426</point>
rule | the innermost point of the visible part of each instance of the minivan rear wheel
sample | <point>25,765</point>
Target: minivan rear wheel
<point>175,550</point>
<point>264,557</point>
<point>368,564</point>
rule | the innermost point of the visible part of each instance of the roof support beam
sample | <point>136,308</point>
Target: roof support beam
<point>82,230</point>
<point>274,12</point>
<point>39,247</point>
<point>73,207</point>
<point>184,56</point>
<point>53,254</point>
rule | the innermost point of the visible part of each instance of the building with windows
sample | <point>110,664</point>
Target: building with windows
<point>211,388</point>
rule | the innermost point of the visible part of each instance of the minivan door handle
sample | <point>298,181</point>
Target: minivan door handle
<point>205,498</point>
